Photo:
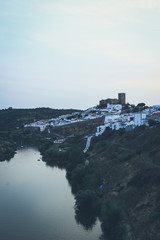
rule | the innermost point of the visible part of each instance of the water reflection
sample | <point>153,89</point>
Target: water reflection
<point>36,202</point>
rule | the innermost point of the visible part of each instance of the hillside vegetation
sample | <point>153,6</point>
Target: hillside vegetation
<point>117,180</point>
<point>12,127</point>
<point>7,150</point>
<point>11,118</point>
<point>130,165</point>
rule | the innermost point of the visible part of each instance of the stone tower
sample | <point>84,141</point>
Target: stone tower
<point>122,98</point>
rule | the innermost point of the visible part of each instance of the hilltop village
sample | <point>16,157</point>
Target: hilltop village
<point>116,113</point>
<point>111,153</point>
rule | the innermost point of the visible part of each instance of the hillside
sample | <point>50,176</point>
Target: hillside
<point>12,127</point>
<point>12,118</point>
<point>130,165</point>
<point>127,167</point>
<point>80,129</point>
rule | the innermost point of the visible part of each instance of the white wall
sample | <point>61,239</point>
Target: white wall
<point>110,118</point>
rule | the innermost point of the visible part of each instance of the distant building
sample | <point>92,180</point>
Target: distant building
<point>103,103</point>
<point>139,119</point>
<point>111,118</point>
<point>121,100</point>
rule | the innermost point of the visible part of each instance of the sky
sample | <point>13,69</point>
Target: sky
<point>71,54</point>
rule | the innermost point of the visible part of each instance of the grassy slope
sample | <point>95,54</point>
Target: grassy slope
<point>130,164</point>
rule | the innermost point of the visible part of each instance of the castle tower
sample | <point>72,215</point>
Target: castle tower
<point>122,98</point>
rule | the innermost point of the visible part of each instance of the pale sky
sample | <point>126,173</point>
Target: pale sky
<point>71,54</point>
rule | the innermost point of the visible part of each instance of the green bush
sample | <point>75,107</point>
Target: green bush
<point>112,220</point>
<point>90,181</point>
<point>77,176</point>
<point>85,219</point>
<point>74,156</point>
<point>43,147</point>
<point>93,177</point>
<point>86,200</point>
<point>85,177</point>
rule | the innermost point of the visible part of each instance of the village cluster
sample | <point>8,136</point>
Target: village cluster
<point>112,111</point>
<point>113,118</point>
<point>116,120</point>
<point>64,120</point>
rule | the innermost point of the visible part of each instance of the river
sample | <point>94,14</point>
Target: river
<point>36,202</point>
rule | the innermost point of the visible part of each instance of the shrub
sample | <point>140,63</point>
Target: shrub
<point>85,219</point>
<point>112,220</point>
<point>52,152</point>
<point>74,156</point>
<point>86,200</point>
<point>77,176</point>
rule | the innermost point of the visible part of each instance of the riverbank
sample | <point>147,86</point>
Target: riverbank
<point>7,150</point>
<point>86,180</point>
<point>37,201</point>
<point>117,180</point>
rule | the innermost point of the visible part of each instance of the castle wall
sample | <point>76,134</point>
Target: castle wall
<point>121,100</point>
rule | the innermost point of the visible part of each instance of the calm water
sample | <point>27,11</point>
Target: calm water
<point>36,202</point>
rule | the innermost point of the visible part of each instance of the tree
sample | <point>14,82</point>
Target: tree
<point>112,220</point>
<point>74,156</point>
<point>141,104</point>
<point>86,200</point>
<point>77,176</point>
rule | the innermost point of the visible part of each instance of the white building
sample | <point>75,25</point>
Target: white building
<point>111,118</point>
<point>112,108</point>
<point>100,130</point>
<point>115,126</point>
<point>139,118</point>
<point>127,117</point>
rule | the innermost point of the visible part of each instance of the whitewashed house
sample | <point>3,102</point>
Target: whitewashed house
<point>111,118</point>
<point>100,130</point>
<point>127,117</point>
<point>114,108</point>
<point>139,118</point>
<point>115,126</point>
